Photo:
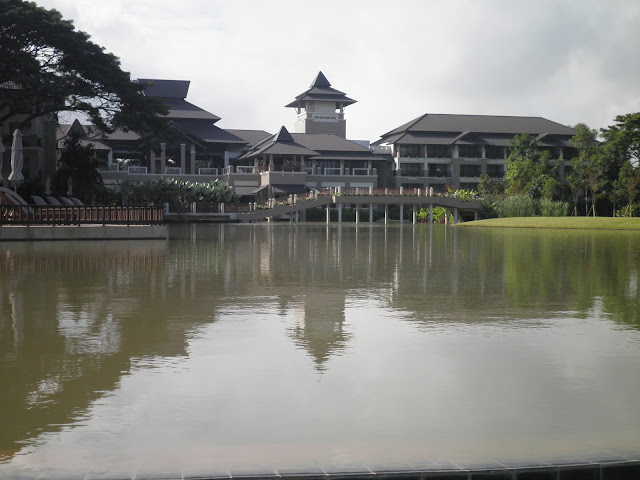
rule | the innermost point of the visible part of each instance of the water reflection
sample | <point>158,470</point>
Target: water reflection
<point>77,318</point>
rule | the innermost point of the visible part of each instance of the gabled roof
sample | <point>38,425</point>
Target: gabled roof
<point>179,108</point>
<point>468,138</point>
<point>205,131</point>
<point>482,124</point>
<point>282,143</point>
<point>84,137</point>
<point>328,142</point>
<point>333,147</point>
<point>165,88</point>
<point>320,90</point>
<point>252,137</point>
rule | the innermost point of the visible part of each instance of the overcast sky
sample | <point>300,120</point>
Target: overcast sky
<point>566,60</point>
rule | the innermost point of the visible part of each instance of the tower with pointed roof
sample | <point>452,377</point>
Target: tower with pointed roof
<point>320,109</point>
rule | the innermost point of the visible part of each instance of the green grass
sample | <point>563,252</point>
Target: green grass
<point>597,223</point>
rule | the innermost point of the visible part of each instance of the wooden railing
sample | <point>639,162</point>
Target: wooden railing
<point>79,215</point>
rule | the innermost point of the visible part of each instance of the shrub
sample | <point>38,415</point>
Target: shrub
<point>516,206</point>
<point>438,214</point>
<point>549,208</point>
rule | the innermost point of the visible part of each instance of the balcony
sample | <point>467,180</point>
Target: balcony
<point>430,173</point>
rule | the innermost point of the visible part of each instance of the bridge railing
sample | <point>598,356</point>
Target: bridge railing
<point>79,215</point>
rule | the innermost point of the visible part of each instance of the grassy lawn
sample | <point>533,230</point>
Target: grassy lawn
<point>598,223</point>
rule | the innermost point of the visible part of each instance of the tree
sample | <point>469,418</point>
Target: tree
<point>622,146</point>
<point>587,167</point>
<point>528,167</point>
<point>46,66</point>
<point>628,181</point>
<point>79,163</point>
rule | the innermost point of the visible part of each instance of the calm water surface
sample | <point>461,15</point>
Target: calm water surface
<point>249,348</point>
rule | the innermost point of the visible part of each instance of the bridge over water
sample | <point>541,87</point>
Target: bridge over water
<point>361,198</point>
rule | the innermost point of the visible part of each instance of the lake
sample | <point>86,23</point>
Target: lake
<point>245,349</point>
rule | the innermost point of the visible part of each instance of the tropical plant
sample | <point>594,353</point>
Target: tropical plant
<point>528,167</point>
<point>78,162</point>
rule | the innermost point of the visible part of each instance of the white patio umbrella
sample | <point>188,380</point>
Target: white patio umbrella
<point>16,158</point>
<point>47,186</point>
<point>2,150</point>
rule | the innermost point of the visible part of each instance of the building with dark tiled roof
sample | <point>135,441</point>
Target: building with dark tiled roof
<point>434,150</point>
<point>197,146</point>
<point>320,108</point>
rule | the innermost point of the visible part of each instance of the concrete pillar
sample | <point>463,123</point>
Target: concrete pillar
<point>152,162</point>
<point>339,213</point>
<point>163,157</point>
<point>455,215</point>
<point>193,159</point>
<point>415,214</point>
<point>446,216</point>
<point>401,209</point>
<point>183,158</point>
<point>357,214</point>
<point>475,215</point>
<point>371,213</point>
<point>431,191</point>
<point>328,214</point>
<point>386,213</point>
<point>226,159</point>
<point>341,167</point>
<point>431,214</point>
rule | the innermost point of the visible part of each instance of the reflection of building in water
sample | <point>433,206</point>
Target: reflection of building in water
<point>73,319</point>
<point>319,325</point>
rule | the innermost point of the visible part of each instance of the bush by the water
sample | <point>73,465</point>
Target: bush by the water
<point>549,208</point>
<point>522,206</point>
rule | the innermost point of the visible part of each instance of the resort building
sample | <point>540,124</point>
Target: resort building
<point>318,155</point>
<point>435,150</point>
<point>198,146</point>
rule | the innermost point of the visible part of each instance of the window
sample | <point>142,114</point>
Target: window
<point>495,171</point>
<point>438,151</point>
<point>470,170</point>
<point>469,151</point>
<point>493,152</point>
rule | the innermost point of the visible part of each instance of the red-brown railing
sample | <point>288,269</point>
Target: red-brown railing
<point>79,215</point>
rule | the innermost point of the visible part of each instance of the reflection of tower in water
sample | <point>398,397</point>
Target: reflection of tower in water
<point>319,326</point>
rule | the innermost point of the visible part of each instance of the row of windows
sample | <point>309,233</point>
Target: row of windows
<point>473,151</point>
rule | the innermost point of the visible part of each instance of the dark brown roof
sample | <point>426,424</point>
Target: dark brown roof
<point>165,88</point>
<point>482,124</point>
<point>328,142</point>
<point>281,143</point>
<point>321,90</point>
<point>180,108</point>
<point>207,131</point>
<point>252,137</point>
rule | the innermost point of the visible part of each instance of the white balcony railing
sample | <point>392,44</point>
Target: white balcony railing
<point>332,171</point>
<point>245,169</point>
<point>137,170</point>
<point>113,167</point>
<point>361,171</point>
<point>173,170</point>
<point>207,171</point>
